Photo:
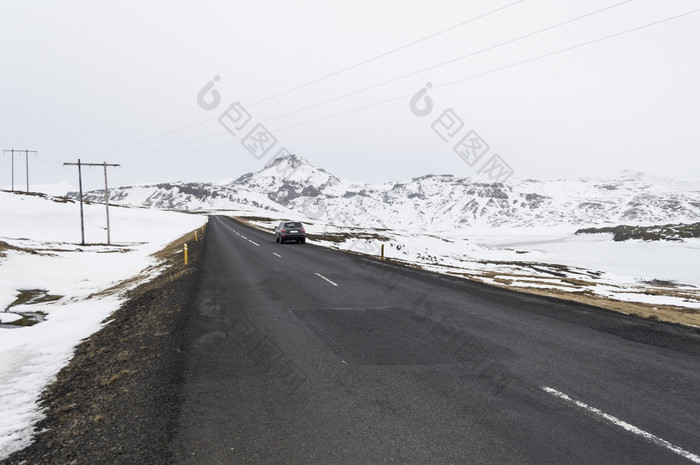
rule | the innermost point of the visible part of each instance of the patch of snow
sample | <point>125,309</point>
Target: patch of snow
<point>31,356</point>
<point>7,317</point>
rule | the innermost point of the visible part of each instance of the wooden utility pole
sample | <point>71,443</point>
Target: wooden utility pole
<point>26,156</point>
<point>80,186</point>
<point>104,164</point>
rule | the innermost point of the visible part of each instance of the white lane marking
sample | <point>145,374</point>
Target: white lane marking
<point>326,279</point>
<point>227,226</point>
<point>276,254</point>
<point>624,425</point>
<point>242,236</point>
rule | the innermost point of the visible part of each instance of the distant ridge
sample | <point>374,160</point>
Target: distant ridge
<point>290,184</point>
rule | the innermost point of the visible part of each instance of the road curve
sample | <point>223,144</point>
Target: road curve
<point>297,354</point>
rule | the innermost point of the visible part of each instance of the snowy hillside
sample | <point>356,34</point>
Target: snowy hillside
<point>184,196</point>
<point>432,202</point>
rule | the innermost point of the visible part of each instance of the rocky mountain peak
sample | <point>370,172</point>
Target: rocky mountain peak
<point>290,184</point>
<point>293,160</point>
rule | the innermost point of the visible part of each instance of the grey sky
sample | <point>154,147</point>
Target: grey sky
<point>85,79</point>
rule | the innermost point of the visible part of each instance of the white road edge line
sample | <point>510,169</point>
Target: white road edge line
<point>227,226</point>
<point>276,254</point>
<point>624,425</point>
<point>326,279</point>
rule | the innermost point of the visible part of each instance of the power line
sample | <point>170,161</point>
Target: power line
<point>507,42</point>
<point>382,55</point>
<point>172,146</point>
<point>26,156</point>
<point>186,151</point>
<point>335,73</point>
<point>471,54</point>
<point>567,49</point>
<point>454,60</point>
<point>472,76</point>
<point>156,137</point>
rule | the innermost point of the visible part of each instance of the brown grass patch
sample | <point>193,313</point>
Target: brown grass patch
<point>164,256</point>
<point>576,290</point>
<point>117,376</point>
<point>4,247</point>
<point>668,313</point>
<point>34,296</point>
<point>339,238</point>
<point>253,218</point>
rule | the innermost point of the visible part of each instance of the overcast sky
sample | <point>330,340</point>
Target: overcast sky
<point>95,79</point>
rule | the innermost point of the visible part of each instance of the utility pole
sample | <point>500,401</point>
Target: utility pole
<point>26,155</point>
<point>80,186</point>
<point>104,164</point>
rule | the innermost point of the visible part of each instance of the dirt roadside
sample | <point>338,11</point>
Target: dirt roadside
<point>116,402</point>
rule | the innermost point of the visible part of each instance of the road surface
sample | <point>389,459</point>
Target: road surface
<point>297,354</point>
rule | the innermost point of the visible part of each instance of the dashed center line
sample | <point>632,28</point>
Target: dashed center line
<point>276,255</point>
<point>325,279</point>
<point>239,234</point>
<point>624,425</point>
<point>227,226</point>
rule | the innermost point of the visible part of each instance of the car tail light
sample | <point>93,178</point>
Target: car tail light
<point>303,230</point>
<point>284,230</point>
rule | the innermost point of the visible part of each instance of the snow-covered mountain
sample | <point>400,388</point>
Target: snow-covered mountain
<point>290,185</point>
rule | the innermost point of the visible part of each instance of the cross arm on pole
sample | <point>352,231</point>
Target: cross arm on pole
<point>105,165</point>
<point>92,164</point>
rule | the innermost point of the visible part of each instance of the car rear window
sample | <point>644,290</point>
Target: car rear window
<point>293,225</point>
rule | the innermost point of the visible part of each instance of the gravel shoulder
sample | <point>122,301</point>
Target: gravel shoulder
<point>117,402</point>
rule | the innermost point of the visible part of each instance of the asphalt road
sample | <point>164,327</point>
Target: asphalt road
<point>301,355</point>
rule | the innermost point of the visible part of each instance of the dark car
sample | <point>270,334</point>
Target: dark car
<point>290,231</point>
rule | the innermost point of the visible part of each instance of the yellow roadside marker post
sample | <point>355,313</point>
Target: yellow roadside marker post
<point>382,251</point>
<point>185,254</point>
<point>195,236</point>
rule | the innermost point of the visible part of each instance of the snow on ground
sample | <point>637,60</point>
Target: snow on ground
<point>70,274</point>
<point>61,188</point>
<point>645,260</point>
